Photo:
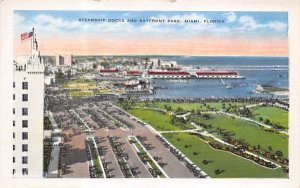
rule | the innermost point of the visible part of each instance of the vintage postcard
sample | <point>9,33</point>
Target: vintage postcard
<point>184,94</point>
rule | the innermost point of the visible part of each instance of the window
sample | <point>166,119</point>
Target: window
<point>24,111</point>
<point>24,147</point>
<point>24,135</point>
<point>14,84</point>
<point>14,171</point>
<point>25,171</point>
<point>25,97</point>
<point>14,159</point>
<point>14,97</point>
<point>14,147</point>
<point>14,111</point>
<point>24,85</point>
<point>14,135</point>
<point>24,160</point>
<point>14,123</point>
<point>24,123</point>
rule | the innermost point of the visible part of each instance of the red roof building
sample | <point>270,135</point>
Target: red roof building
<point>154,72</point>
<point>109,70</point>
<point>217,73</point>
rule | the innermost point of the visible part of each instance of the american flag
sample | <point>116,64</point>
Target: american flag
<point>25,36</point>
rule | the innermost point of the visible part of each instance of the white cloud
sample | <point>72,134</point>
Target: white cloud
<point>278,26</point>
<point>50,24</point>
<point>230,16</point>
<point>125,14</point>
<point>47,24</point>
<point>18,19</point>
<point>181,28</point>
<point>43,19</point>
<point>249,23</point>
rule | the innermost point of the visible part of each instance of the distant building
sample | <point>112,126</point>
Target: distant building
<point>63,60</point>
<point>155,61</point>
<point>159,63</point>
<point>113,71</point>
<point>132,73</point>
<point>168,63</point>
<point>28,114</point>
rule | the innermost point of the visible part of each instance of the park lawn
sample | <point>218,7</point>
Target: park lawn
<point>80,93</point>
<point>274,114</point>
<point>190,106</point>
<point>80,84</point>
<point>234,166</point>
<point>110,91</point>
<point>158,120</point>
<point>252,133</point>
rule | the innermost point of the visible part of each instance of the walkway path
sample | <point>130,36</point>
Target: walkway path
<point>225,113</point>
<point>205,133</point>
<point>251,120</point>
<point>179,131</point>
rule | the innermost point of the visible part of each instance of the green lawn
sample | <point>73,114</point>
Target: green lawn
<point>190,106</point>
<point>252,134</point>
<point>80,83</point>
<point>274,114</point>
<point>234,166</point>
<point>157,120</point>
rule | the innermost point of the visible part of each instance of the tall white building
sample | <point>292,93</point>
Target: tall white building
<point>28,96</point>
<point>63,60</point>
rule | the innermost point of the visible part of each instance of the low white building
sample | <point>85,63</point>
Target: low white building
<point>50,79</point>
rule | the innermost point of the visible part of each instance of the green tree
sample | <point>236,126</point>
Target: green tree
<point>267,121</point>
<point>270,148</point>
<point>279,153</point>
<point>59,74</point>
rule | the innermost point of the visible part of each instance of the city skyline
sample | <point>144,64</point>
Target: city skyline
<point>240,33</point>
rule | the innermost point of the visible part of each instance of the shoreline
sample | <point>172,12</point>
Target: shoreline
<point>272,90</point>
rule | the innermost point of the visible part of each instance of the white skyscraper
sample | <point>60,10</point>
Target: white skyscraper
<point>28,96</point>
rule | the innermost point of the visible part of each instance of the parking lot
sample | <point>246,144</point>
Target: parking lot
<point>111,128</point>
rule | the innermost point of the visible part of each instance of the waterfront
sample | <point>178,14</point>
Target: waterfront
<point>243,127</point>
<point>257,71</point>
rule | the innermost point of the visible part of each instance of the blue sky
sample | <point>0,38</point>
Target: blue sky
<point>241,33</point>
<point>241,23</point>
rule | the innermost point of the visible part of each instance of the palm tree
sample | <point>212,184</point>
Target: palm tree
<point>195,153</point>
<point>270,148</point>
<point>279,153</point>
<point>267,121</point>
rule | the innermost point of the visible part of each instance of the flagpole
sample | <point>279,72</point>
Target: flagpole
<point>32,43</point>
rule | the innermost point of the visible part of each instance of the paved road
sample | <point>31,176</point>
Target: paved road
<point>174,168</point>
<point>133,160</point>
<point>53,165</point>
<point>76,161</point>
<point>75,158</point>
<point>109,157</point>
